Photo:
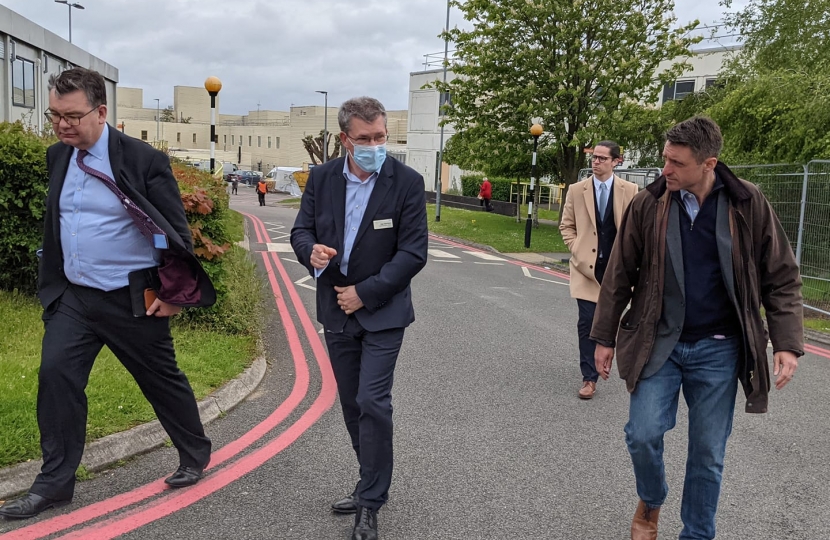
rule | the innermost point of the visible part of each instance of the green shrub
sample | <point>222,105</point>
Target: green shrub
<point>471,183</point>
<point>23,185</point>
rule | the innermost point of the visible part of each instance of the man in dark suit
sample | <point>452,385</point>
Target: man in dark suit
<point>362,232</point>
<point>114,217</point>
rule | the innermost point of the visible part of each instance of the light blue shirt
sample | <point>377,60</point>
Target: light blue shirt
<point>597,182</point>
<point>357,197</point>
<point>100,242</point>
<point>691,204</point>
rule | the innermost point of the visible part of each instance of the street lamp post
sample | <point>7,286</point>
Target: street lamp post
<point>325,124</point>
<point>70,6</point>
<point>439,169</point>
<point>213,85</point>
<point>158,110</point>
<point>535,130</point>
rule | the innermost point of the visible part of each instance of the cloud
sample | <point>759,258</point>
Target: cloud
<point>274,54</point>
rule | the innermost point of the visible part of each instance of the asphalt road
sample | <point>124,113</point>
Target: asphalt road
<point>491,441</point>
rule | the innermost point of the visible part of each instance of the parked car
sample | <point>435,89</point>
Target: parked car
<point>244,177</point>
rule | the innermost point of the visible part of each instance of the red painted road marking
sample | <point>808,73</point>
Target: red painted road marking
<point>102,508</point>
<point>165,506</point>
<point>816,350</point>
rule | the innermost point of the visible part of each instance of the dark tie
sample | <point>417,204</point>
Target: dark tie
<point>147,226</point>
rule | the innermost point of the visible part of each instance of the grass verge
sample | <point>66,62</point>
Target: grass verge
<point>500,232</point>
<point>115,401</point>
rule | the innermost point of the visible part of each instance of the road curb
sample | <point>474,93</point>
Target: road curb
<point>820,337</point>
<point>140,439</point>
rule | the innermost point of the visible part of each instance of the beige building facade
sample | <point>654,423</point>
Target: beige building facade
<point>259,140</point>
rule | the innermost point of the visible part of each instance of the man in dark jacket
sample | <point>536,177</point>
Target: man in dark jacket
<point>698,253</point>
<point>114,218</point>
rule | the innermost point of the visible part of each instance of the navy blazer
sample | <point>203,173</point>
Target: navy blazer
<point>142,173</point>
<point>383,261</point>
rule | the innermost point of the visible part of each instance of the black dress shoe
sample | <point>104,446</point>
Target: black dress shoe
<point>185,476</point>
<point>29,505</point>
<point>365,524</point>
<point>347,505</point>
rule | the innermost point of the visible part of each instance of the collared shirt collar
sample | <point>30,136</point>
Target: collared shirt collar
<point>717,185</point>
<point>101,146</point>
<point>609,183</point>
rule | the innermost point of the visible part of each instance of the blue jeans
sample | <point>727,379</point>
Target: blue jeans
<point>707,370</point>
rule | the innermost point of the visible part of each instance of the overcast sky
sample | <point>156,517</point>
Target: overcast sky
<point>274,53</point>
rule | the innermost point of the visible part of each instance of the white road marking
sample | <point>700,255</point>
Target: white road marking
<point>301,283</point>
<point>441,253</point>
<point>295,261</point>
<point>280,247</point>
<point>526,272</point>
<point>483,255</point>
<point>493,264</point>
<point>447,261</point>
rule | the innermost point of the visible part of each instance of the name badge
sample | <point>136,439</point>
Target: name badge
<point>382,224</point>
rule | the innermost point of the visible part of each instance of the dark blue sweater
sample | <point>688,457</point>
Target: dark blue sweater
<point>709,310</point>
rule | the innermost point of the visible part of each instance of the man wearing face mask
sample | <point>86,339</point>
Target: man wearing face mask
<point>362,233</point>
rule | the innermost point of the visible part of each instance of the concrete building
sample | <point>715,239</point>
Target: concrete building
<point>30,54</point>
<point>425,109</point>
<point>259,140</point>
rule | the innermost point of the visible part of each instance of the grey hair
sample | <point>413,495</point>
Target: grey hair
<point>87,81</point>
<point>365,108</point>
<point>700,134</point>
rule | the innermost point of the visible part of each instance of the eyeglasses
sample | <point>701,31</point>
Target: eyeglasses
<point>601,159</point>
<point>365,141</point>
<point>71,120</point>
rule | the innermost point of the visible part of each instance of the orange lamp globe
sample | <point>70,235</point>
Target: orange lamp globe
<point>213,85</point>
<point>535,130</point>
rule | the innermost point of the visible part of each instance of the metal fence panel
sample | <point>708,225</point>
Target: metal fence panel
<point>815,238</point>
<point>641,177</point>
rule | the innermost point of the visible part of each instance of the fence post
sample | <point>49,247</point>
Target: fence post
<point>802,211</point>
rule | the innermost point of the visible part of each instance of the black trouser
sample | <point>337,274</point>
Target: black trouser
<point>364,364</point>
<point>77,326</point>
<point>234,189</point>
<point>486,204</point>
<point>261,198</point>
<point>586,346</point>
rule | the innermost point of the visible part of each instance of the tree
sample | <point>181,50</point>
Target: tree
<point>781,35</point>
<point>167,114</point>
<point>568,63</point>
<point>314,147</point>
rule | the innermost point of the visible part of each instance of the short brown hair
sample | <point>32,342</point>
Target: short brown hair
<point>700,134</point>
<point>366,108</point>
<point>87,81</point>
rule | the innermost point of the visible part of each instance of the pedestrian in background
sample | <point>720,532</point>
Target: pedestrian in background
<point>698,253</point>
<point>485,193</point>
<point>235,186</point>
<point>362,232</point>
<point>117,263</point>
<point>261,189</point>
<point>592,214</point>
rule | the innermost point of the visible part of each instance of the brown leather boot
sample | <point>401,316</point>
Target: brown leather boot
<point>644,525</point>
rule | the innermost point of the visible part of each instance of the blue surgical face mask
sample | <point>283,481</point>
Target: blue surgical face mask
<point>369,158</point>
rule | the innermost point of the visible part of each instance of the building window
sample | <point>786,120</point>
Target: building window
<point>259,141</point>
<point>269,141</point>
<point>444,103</point>
<point>233,140</point>
<point>143,134</point>
<point>249,140</point>
<point>179,136</point>
<point>678,90</point>
<point>194,138</point>
<point>224,139</point>
<point>23,83</point>
<point>277,143</point>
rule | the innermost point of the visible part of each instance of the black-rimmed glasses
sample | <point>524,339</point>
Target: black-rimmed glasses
<point>71,120</point>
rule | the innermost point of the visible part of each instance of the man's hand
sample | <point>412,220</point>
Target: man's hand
<point>784,365</point>
<point>603,358</point>
<point>321,255</point>
<point>348,300</point>
<point>162,309</point>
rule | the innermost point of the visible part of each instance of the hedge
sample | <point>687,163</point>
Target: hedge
<point>23,186</point>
